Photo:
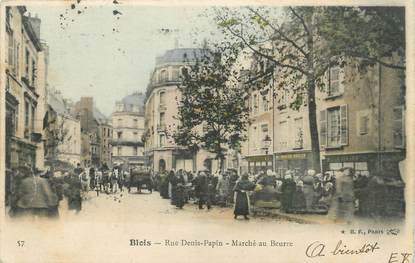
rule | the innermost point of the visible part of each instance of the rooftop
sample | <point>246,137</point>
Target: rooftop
<point>180,55</point>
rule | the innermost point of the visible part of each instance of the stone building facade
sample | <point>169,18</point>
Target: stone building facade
<point>96,134</point>
<point>161,109</point>
<point>62,132</point>
<point>25,83</point>
<point>362,120</point>
<point>128,130</point>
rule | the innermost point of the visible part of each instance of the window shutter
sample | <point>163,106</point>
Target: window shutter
<point>344,135</point>
<point>398,127</point>
<point>323,127</point>
<point>363,124</point>
<point>341,79</point>
<point>10,51</point>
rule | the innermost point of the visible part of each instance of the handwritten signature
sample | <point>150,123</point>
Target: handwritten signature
<point>318,249</point>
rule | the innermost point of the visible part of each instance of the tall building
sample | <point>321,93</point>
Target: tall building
<point>292,147</point>
<point>257,150</point>
<point>128,130</point>
<point>362,122</point>
<point>96,134</point>
<point>161,109</point>
<point>62,132</point>
<point>25,75</point>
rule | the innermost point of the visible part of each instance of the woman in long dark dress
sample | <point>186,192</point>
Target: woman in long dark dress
<point>164,186</point>
<point>179,195</point>
<point>288,189</point>
<point>299,201</point>
<point>177,182</point>
<point>242,187</point>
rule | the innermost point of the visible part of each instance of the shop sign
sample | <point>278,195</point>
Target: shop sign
<point>260,158</point>
<point>291,156</point>
<point>347,158</point>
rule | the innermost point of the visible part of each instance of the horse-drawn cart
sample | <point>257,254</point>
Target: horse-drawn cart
<point>141,179</point>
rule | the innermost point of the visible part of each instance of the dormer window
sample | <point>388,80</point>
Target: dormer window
<point>164,76</point>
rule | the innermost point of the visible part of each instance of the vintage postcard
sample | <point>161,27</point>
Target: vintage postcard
<point>206,131</point>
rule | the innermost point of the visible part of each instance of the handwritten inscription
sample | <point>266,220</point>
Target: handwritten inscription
<point>399,257</point>
<point>318,249</point>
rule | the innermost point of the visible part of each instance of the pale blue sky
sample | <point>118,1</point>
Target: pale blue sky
<point>87,58</point>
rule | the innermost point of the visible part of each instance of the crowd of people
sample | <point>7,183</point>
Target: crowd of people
<point>32,192</point>
<point>341,194</point>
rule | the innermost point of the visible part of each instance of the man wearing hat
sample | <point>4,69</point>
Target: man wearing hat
<point>35,196</point>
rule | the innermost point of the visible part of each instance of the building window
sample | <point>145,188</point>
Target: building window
<point>119,122</point>
<point>254,137</point>
<point>399,126</point>
<point>175,74</point>
<point>119,135</point>
<point>135,150</point>
<point>255,104</point>
<point>162,95</point>
<point>33,118</point>
<point>264,103</point>
<point>333,127</point>
<point>164,75</point>
<point>33,72</point>
<point>135,123</point>
<point>119,151</point>
<point>162,120</point>
<point>27,64</point>
<point>26,115</point>
<point>335,87</point>
<point>135,135</point>
<point>283,138</point>
<point>363,124</point>
<point>11,51</point>
<point>162,140</point>
<point>360,168</point>
<point>16,60</point>
<point>337,130</point>
<point>298,133</point>
<point>264,128</point>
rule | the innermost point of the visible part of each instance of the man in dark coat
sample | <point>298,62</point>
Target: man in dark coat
<point>242,187</point>
<point>73,193</point>
<point>36,197</point>
<point>92,179</point>
<point>201,184</point>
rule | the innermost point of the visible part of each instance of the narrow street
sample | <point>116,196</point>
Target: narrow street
<point>146,208</point>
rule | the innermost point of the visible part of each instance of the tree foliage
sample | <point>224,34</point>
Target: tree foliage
<point>302,43</point>
<point>212,112</point>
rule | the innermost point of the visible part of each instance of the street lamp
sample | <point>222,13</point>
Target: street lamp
<point>266,142</point>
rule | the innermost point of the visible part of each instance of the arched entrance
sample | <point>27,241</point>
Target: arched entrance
<point>162,165</point>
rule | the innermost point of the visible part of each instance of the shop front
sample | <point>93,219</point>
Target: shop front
<point>183,160</point>
<point>366,163</point>
<point>294,161</point>
<point>259,163</point>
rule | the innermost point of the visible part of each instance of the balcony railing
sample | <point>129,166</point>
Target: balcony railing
<point>161,127</point>
<point>124,142</point>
